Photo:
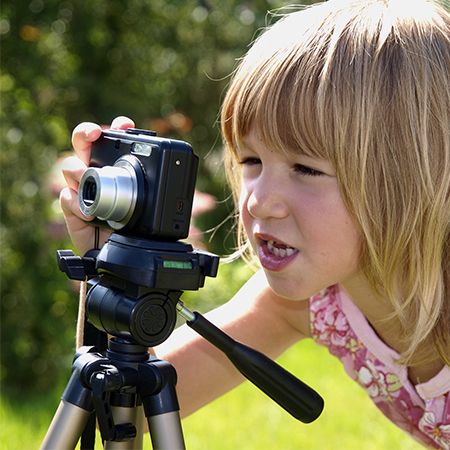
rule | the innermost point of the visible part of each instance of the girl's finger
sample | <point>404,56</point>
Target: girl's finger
<point>122,123</point>
<point>68,199</point>
<point>73,169</point>
<point>83,135</point>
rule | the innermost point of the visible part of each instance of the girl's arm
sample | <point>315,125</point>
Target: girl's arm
<point>256,317</point>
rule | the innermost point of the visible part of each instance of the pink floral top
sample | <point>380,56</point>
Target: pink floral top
<point>422,410</point>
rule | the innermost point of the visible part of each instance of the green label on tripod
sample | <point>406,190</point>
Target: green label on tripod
<point>185,265</point>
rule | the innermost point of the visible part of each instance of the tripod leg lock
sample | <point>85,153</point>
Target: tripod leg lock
<point>78,391</point>
<point>93,379</point>
<point>108,380</point>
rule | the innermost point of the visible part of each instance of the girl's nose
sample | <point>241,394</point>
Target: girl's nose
<point>267,200</point>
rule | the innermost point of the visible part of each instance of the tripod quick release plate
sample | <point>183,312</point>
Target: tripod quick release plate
<point>152,264</point>
<point>156,264</point>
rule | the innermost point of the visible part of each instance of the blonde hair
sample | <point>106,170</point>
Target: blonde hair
<point>365,84</point>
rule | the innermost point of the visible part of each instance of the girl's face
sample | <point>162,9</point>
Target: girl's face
<point>296,221</point>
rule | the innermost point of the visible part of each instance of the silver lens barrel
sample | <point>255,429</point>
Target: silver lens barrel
<point>109,193</point>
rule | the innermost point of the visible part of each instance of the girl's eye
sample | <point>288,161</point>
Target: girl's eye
<point>249,161</point>
<point>305,170</point>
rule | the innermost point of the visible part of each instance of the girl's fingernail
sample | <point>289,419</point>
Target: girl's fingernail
<point>91,130</point>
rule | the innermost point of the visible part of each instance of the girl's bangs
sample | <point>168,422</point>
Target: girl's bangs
<point>280,101</point>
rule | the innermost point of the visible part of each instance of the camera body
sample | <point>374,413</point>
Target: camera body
<point>140,184</point>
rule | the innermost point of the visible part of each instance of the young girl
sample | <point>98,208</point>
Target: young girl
<point>336,129</point>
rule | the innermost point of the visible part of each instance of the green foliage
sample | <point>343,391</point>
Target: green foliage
<point>163,63</point>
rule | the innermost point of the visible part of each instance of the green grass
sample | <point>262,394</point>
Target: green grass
<point>246,418</point>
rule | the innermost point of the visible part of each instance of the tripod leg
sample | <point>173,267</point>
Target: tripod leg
<point>134,416</point>
<point>66,428</point>
<point>161,405</point>
<point>165,430</point>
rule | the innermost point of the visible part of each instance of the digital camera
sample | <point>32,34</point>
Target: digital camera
<point>140,184</point>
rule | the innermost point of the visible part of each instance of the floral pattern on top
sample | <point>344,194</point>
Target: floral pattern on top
<point>422,410</point>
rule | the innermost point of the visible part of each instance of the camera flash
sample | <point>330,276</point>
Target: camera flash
<point>142,149</point>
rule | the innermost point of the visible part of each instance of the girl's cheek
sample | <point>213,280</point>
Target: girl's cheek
<point>243,203</point>
<point>244,215</point>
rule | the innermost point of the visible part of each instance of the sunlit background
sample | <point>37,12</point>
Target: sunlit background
<point>165,64</point>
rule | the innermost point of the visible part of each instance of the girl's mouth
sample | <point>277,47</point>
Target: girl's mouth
<point>275,255</point>
<point>280,250</point>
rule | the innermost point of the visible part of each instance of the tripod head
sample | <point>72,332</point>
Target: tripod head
<point>137,283</point>
<point>135,296</point>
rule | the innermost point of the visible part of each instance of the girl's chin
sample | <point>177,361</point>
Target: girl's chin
<point>288,290</point>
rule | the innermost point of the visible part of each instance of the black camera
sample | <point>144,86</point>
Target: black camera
<point>140,184</point>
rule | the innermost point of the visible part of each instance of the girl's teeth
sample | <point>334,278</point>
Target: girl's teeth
<point>280,252</point>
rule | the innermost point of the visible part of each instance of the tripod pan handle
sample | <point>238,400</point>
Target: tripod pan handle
<point>289,392</point>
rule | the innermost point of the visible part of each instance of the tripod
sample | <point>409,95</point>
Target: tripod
<point>116,386</point>
<point>135,297</point>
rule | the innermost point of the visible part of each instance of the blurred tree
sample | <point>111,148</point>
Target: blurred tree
<point>163,63</point>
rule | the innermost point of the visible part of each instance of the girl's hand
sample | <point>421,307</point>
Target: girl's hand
<point>80,231</point>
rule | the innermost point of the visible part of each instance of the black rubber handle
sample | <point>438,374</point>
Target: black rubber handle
<point>289,392</point>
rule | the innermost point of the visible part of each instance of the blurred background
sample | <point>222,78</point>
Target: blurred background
<point>165,64</point>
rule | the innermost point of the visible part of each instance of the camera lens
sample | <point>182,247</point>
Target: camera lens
<point>89,191</point>
<point>109,193</point>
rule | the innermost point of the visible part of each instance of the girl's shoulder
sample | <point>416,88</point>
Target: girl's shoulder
<point>421,409</point>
